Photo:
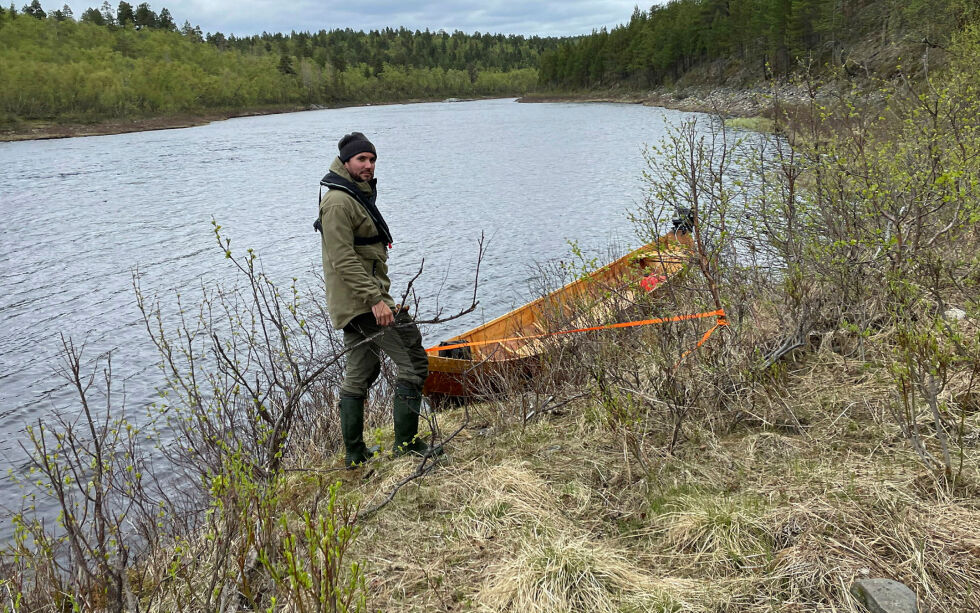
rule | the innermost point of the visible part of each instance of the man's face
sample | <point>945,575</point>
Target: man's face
<point>361,166</point>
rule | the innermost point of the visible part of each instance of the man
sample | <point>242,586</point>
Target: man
<point>354,242</point>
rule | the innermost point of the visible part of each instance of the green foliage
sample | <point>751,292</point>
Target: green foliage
<point>929,353</point>
<point>144,17</point>
<point>34,10</point>
<point>93,16</point>
<point>166,21</point>
<point>253,549</point>
<point>872,219</point>
<point>93,69</point>
<point>89,467</point>
<point>286,65</point>
<point>311,569</point>
<point>765,37</point>
<point>210,524</point>
<point>124,14</point>
<point>860,236</point>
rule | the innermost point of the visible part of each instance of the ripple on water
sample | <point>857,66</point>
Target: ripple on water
<point>81,215</point>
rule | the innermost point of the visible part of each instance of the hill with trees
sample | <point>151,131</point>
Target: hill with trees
<point>134,62</point>
<point>745,41</point>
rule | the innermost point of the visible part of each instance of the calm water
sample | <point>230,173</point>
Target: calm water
<point>80,215</point>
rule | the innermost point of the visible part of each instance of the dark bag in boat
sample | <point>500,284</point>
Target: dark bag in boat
<point>456,353</point>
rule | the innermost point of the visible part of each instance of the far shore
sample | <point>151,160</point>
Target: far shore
<point>734,102</point>
<point>44,130</point>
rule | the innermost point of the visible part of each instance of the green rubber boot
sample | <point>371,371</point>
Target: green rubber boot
<point>352,428</point>
<point>408,402</point>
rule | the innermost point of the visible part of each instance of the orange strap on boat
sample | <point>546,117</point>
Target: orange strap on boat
<point>722,321</point>
<point>720,314</point>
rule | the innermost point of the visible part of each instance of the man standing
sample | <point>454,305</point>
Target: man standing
<point>354,242</point>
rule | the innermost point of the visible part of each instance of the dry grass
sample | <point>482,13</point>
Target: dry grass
<point>558,517</point>
<point>717,531</point>
<point>565,574</point>
<point>777,508</point>
<point>775,501</point>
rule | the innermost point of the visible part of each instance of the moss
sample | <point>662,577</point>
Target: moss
<point>755,124</point>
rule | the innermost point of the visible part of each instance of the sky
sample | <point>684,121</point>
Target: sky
<point>527,17</point>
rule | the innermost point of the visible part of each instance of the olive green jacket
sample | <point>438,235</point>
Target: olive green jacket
<point>356,276</point>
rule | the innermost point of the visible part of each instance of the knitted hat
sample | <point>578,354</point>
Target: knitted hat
<point>352,144</point>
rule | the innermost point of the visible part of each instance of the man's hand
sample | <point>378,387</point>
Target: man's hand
<point>382,314</point>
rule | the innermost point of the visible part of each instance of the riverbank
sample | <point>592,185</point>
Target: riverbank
<point>792,461</point>
<point>727,101</point>
<point>783,512</point>
<point>45,130</point>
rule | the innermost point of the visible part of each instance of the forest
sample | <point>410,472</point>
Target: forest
<point>135,62</point>
<point>748,41</point>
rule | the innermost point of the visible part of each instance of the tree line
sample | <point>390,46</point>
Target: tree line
<point>133,61</point>
<point>755,39</point>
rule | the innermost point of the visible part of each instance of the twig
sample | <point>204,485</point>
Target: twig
<point>437,316</point>
<point>554,407</point>
<point>424,467</point>
<point>794,341</point>
<point>421,470</point>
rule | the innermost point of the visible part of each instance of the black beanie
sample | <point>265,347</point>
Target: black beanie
<point>352,144</point>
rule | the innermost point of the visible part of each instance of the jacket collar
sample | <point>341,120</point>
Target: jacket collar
<point>339,178</point>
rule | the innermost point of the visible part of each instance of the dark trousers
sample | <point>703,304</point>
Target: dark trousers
<point>365,340</point>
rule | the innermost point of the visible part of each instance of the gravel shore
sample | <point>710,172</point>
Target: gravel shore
<point>727,101</point>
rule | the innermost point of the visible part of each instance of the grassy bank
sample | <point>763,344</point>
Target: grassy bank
<point>759,514</point>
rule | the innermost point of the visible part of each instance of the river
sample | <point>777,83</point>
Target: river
<point>80,215</point>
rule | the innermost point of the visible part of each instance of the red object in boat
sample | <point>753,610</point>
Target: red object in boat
<point>650,282</point>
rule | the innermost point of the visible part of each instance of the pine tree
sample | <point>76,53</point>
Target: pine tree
<point>192,32</point>
<point>63,14</point>
<point>93,16</point>
<point>124,14</point>
<point>144,17</point>
<point>166,21</point>
<point>34,10</point>
<point>286,64</point>
<point>108,15</point>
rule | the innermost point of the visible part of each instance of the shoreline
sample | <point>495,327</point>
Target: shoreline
<point>727,101</point>
<point>49,130</point>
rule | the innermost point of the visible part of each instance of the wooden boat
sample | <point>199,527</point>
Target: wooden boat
<point>470,363</point>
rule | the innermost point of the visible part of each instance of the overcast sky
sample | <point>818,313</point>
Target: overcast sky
<point>243,17</point>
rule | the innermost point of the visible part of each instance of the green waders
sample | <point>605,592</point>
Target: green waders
<point>365,341</point>
<point>352,428</point>
<point>406,411</point>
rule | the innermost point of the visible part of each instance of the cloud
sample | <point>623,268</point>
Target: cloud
<point>245,17</point>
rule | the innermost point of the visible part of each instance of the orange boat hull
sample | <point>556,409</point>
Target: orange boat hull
<point>511,344</point>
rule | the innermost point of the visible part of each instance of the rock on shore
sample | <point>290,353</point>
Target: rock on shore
<point>729,101</point>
